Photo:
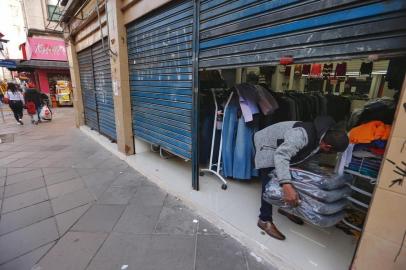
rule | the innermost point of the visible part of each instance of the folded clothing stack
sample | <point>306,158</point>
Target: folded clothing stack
<point>322,197</point>
<point>322,178</point>
<point>366,158</point>
<point>365,165</point>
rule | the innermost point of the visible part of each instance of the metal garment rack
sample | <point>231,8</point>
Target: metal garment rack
<point>215,168</point>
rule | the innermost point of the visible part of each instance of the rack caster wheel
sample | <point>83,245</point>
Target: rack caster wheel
<point>201,173</point>
<point>223,186</point>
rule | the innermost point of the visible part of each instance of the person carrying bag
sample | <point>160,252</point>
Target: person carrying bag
<point>33,103</point>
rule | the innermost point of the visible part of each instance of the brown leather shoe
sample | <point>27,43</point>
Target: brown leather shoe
<point>270,229</point>
<point>291,217</point>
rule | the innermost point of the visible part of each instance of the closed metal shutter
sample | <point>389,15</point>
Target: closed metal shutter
<point>246,32</point>
<point>97,90</point>
<point>160,62</point>
<point>104,90</point>
<point>87,85</point>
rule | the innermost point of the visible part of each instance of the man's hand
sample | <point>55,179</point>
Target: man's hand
<point>290,195</point>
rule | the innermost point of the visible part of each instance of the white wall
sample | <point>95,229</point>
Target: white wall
<point>12,27</point>
<point>36,14</point>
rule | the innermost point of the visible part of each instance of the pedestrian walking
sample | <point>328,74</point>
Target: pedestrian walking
<point>33,103</point>
<point>15,100</point>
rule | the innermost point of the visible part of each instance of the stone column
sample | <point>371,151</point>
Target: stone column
<point>75,79</point>
<point>117,40</point>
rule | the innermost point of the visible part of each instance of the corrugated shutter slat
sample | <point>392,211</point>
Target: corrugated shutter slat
<point>160,63</point>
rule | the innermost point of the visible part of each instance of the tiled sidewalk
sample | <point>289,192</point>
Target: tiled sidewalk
<point>67,203</point>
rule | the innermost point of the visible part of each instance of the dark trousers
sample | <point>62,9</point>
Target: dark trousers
<point>17,107</point>
<point>266,208</point>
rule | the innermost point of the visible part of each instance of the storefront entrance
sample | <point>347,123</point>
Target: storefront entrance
<point>307,56</point>
<point>59,88</point>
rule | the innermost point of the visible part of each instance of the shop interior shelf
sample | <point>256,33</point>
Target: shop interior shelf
<point>363,192</point>
<point>372,179</point>
<point>352,225</point>
<point>358,202</point>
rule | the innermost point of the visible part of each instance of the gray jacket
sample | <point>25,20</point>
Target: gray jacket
<point>288,143</point>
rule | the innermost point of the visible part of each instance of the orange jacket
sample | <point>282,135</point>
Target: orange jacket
<point>371,131</point>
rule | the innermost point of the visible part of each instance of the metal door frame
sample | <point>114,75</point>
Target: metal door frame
<point>195,95</point>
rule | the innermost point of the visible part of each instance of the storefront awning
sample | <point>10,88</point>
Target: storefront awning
<point>7,63</point>
<point>27,65</point>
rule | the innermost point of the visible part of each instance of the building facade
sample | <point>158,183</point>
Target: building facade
<point>12,27</point>
<point>41,15</point>
<point>37,47</point>
<point>135,68</point>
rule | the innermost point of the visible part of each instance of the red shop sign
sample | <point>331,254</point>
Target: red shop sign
<point>46,49</point>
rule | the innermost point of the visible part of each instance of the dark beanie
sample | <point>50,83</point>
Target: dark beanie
<point>338,139</point>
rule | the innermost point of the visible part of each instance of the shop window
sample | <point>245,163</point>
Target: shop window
<point>54,13</point>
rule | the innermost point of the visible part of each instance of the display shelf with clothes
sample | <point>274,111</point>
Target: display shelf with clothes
<point>369,141</point>
<point>366,160</point>
<point>353,222</point>
<point>360,199</point>
<point>380,109</point>
<point>363,160</point>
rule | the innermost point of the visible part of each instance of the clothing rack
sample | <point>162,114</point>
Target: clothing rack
<point>214,168</point>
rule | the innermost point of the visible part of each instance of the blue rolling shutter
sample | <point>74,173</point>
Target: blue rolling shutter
<point>247,32</point>
<point>97,91</point>
<point>87,85</point>
<point>160,63</point>
<point>104,91</point>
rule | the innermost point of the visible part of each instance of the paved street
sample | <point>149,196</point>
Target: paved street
<point>67,203</point>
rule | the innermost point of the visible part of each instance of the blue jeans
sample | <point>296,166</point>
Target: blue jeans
<point>229,134</point>
<point>237,147</point>
<point>243,152</point>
